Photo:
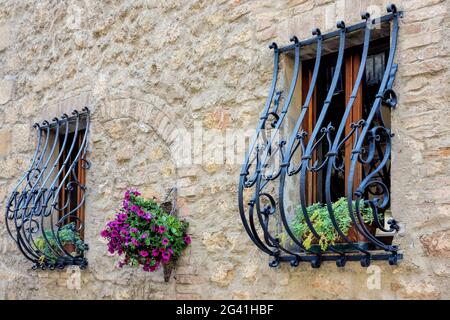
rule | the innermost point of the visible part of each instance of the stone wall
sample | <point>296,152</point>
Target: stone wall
<point>151,69</point>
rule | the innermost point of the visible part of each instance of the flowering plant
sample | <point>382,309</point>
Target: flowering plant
<point>145,234</point>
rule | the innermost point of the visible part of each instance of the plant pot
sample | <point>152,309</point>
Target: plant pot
<point>70,247</point>
<point>353,235</point>
<point>167,206</point>
<point>167,268</point>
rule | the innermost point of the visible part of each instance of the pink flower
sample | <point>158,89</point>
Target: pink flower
<point>140,212</point>
<point>187,239</point>
<point>155,252</point>
<point>165,241</point>
<point>161,229</point>
<point>104,233</point>
<point>122,217</point>
<point>143,236</point>
<point>113,224</point>
<point>166,256</point>
<point>143,253</point>
<point>148,216</point>
<point>134,241</point>
<point>135,208</point>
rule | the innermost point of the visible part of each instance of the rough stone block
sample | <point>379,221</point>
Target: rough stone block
<point>5,142</point>
<point>6,88</point>
<point>437,244</point>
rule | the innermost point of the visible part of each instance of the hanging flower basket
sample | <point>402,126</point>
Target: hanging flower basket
<point>147,234</point>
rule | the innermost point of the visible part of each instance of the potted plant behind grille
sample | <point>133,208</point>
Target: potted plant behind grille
<point>69,238</point>
<point>146,234</point>
<point>321,221</point>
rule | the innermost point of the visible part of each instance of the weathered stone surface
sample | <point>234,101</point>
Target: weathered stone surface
<point>437,243</point>
<point>5,36</point>
<point>6,87</point>
<point>223,274</point>
<point>151,71</point>
<point>5,142</point>
<point>416,290</point>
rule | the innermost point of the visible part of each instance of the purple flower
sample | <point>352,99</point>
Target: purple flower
<point>165,256</point>
<point>104,233</point>
<point>148,216</point>
<point>125,204</point>
<point>113,224</point>
<point>187,239</point>
<point>122,217</point>
<point>114,233</point>
<point>140,212</point>
<point>121,264</point>
<point>134,230</point>
<point>143,253</point>
<point>134,192</point>
<point>165,241</point>
<point>143,236</point>
<point>155,252</point>
<point>134,241</point>
<point>162,229</point>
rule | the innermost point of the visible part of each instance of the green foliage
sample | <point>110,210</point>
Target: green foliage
<point>67,235</point>
<point>145,234</point>
<point>176,229</point>
<point>321,221</point>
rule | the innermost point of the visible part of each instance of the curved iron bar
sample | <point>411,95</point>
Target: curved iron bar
<point>357,150</point>
<point>35,195</point>
<point>262,180</point>
<point>70,188</point>
<point>261,154</point>
<point>338,143</point>
<point>296,140</point>
<point>14,193</point>
<point>20,216</point>
<point>248,180</point>
<point>307,156</point>
<point>28,211</point>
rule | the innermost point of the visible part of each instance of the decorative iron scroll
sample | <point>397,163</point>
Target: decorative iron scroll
<point>270,159</point>
<point>43,211</point>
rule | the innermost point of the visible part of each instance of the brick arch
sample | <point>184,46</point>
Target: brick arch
<point>166,124</point>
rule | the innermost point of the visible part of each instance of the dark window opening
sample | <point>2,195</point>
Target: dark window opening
<point>72,180</point>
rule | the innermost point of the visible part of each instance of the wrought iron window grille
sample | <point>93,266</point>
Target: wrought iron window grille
<point>262,185</point>
<point>45,211</point>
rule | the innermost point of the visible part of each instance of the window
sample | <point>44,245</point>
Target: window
<point>45,212</point>
<point>70,198</point>
<point>328,197</point>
